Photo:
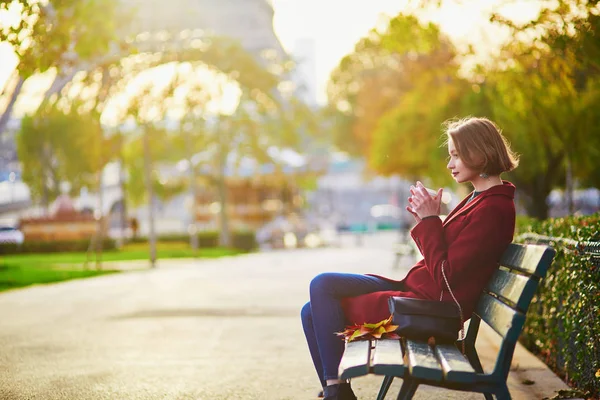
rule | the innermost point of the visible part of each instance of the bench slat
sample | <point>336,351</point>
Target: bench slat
<point>530,259</point>
<point>506,321</point>
<point>422,362</point>
<point>355,361</point>
<point>516,288</point>
<point>456,367</point>
<point>388,358</point>
<point>502,306</point>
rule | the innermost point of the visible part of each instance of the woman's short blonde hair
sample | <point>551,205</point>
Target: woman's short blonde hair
<point>481,145</point>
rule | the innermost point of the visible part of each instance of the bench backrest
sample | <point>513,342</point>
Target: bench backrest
<point>505,301</point>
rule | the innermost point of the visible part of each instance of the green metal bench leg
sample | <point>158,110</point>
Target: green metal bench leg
<point>408,389</point>
<point>474,360</point>
<point>502,393</point>
<point>385,385</point>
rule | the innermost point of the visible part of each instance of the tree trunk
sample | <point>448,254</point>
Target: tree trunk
<point>536,193</point>
<point>569,186</point>
<point>150,191</point>
<point>123,199</point>
<point>538,207</point>
<point>46,178</point>
<point>193,228</point>
<point>5,117</point>
<point>537,188</point>
<point>100,222</point>
<point>224,237</point>
<point>60,81</point>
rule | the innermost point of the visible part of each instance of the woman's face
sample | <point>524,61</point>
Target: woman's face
<point>460,172</point>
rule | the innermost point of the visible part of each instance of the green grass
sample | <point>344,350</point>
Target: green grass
<point>14,275</point>
<point>20,270</point>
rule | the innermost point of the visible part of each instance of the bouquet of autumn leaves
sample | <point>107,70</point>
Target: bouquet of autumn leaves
<point>381,330</point>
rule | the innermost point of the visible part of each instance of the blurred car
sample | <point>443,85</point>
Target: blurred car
<point>291,231</point>
<point>10,234</point>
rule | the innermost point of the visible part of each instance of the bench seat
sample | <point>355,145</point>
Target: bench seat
<point>503,306</point>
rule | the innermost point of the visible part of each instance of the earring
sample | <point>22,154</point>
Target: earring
<point>484,175</point>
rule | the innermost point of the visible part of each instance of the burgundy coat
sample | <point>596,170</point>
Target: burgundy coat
<point>470,242</point>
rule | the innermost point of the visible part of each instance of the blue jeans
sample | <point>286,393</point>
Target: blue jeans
<point>323,316</point>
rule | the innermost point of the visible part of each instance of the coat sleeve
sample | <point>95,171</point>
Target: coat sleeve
<point>487,232</point>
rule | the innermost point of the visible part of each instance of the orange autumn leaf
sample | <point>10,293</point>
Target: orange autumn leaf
<point>382,329</point>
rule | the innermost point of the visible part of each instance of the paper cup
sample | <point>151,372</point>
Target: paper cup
<point>431,192</point>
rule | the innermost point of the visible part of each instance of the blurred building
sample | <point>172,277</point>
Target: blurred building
<point>304,53</point>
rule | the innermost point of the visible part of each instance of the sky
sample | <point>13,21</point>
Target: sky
<point>334,26</point>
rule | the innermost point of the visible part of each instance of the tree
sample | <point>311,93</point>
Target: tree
<point>222,139</point>
<point>534,114</point>
<point>56,146</point>
<point>57,34</point>
<point>545,92</point>
<point>391,95</point>
<point>408,139</point>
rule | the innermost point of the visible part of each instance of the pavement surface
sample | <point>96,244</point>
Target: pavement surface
<point>224,328</point>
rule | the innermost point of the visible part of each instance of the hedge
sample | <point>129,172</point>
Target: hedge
<point>242,240</point>
<point>563,322</point>
<point>245,240</point>
<point>29,246</point>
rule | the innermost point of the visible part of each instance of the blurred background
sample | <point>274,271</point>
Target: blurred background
<point>244,124</point>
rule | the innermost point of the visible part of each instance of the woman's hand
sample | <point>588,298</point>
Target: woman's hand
<point>421,204</point>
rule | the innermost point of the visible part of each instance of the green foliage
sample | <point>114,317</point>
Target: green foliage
<point>388,95</point>
<point>564,318</point>
<point>409,140</point>
<point>30,246</point>
<point>389,98</point>
<point>57,146</point>
<point>159,144</point>
<point>524,224</point>
<point>547,118</point>
<point>242,240</point>
<point>57,32</point>
<point>544,91</point>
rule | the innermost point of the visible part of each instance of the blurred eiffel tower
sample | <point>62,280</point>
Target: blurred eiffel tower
<point>249,21</point>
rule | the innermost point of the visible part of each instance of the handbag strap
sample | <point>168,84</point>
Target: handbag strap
<point>462,319</point>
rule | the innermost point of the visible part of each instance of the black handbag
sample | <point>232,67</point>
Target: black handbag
<point>421,319</point>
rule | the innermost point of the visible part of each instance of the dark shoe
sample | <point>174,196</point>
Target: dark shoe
<point>341,391</point>
<point>320,395</point>
<point>331,392</point>
<point>346,392</point>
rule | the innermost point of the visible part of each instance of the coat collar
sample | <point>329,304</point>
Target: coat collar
<point>506,189</point>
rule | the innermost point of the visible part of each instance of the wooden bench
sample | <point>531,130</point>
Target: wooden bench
<point>503,306</point>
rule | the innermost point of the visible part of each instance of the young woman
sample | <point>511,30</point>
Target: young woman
<point>467,244</point>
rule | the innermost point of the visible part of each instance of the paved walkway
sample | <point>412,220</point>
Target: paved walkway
<point>210,329</point>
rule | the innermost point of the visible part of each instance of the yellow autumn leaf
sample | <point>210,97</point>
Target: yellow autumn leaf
<point>378,332</point>
<point>354,335</point>
<point>370,330</point>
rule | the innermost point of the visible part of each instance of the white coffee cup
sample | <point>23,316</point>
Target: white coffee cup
<point>431,192</point>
